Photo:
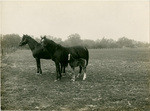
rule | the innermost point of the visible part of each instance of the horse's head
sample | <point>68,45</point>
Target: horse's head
<point>24,40</point>
<point>43,41</point>
<point>48,44</point>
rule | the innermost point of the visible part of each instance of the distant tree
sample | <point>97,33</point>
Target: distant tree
<point>105,43</point>
<point>55,39</point>
<point>10,42</point>
<point>73,40</point>
<point>89,43</point>
<point>125,42</point>
<point>141,44</point>
<point>111,43</point>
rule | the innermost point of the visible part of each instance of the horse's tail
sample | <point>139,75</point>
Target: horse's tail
<point>87,56</point>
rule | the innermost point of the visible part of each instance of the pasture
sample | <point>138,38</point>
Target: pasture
<point>117,79</point>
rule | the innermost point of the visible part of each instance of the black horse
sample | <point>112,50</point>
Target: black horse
<point>38,51</point>
<point>59,54</point>
<point>78,52</point>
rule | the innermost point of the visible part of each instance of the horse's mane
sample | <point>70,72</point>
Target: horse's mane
<point>52,43</point>
<point>29,37</point>
<point>53,46</point>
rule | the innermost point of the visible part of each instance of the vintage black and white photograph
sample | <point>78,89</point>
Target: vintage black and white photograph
<point>75,55</point>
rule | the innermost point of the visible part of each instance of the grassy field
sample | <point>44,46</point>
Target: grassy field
<point>117,79</point>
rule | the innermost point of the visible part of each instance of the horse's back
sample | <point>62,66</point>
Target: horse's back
<point>79,52</point>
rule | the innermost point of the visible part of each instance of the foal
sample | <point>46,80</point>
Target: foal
<point>75,63</point>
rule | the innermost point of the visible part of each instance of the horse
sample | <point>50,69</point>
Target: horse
<point>38,51</point>
<point>60,54</point>
<point>78,52</point>
<point>75,63</point>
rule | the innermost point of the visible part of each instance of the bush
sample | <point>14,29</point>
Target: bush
<point>9,43</point>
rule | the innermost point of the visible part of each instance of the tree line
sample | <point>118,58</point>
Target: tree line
<point>9,42</point>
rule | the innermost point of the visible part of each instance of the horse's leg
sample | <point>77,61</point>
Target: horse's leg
<point>80,70</point>
<point>58,71</point>
<point>38,63</point>
<point>84,71</point>
<point>64,70</point>
<point>61,68</point>
<point>40,70</point>
<point>73,76</point>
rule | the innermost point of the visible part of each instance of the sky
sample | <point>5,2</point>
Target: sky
<point>90,19</point>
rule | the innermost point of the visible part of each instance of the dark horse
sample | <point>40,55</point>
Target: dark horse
<point>59,54</point>
<point>38,51</point>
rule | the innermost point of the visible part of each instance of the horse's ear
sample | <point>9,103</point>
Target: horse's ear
<point>44,37</point>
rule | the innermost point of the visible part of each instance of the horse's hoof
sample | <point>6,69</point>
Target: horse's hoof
<point>57,80</point>
<point>78,75</point>
<point>38,74</point>
<point>83,79</point>
<point>63,74</point>
<point>72,80</point>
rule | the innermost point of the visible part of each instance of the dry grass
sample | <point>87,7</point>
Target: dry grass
<point>117,79</point>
